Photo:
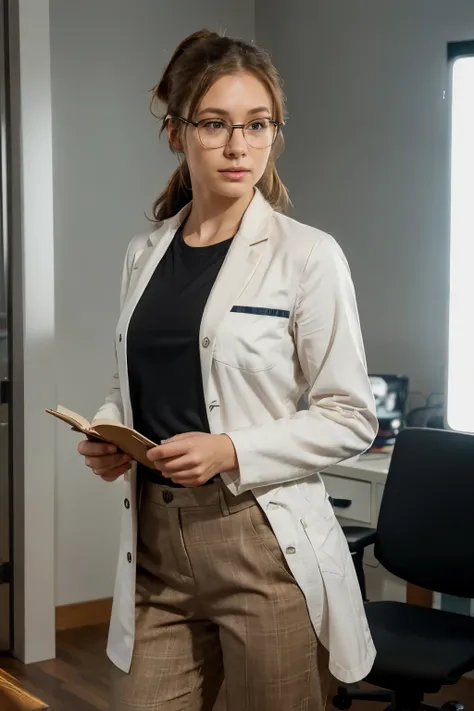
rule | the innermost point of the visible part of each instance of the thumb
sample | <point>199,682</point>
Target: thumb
<point>184,435</point>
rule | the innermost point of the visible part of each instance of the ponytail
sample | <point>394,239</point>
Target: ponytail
<point>272,188</point>
<point>175,196</point>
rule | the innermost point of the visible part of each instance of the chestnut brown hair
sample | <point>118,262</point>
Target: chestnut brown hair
<point>196,64</point>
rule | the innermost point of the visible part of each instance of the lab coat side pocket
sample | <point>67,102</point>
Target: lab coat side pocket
<point>327,541</point>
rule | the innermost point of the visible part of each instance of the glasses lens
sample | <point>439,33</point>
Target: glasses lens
<point>260,133</point>
<point>214,133</point>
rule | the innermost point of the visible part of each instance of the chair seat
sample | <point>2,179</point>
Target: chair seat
<point>419,646</point>
<point>359,537</point>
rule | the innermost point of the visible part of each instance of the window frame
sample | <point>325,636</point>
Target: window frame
<point>455,51</point>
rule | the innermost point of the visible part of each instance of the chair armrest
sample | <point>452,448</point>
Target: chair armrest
<point>359,537</point>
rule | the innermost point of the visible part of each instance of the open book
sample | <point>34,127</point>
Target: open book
<point>125,438</point>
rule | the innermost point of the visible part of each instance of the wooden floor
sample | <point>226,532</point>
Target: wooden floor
<point>78,679</point>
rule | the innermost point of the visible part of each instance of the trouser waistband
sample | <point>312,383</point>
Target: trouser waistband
<point>197,497</point>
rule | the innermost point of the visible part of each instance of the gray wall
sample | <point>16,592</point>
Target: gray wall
<point>367,159</point>
<point>368,156</point>
<point>108,167</point>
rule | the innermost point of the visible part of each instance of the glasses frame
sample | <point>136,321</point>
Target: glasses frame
<point>278,125</point>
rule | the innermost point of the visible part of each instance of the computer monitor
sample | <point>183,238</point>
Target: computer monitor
<point>391,395</point>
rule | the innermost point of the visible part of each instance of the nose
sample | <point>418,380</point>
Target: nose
<point>237,145</point>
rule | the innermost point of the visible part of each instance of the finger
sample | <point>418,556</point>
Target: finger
<point>168,467</point>
<point>167,450</point>
<point>108,462</point>
<point>113,476</point>
<point>95,449</point>
<point>178,437</point>
<point>112,472</point>
<point>110,469</point>
<point>185,476</point>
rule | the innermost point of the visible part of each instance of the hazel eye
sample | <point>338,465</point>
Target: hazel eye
<point>213,125</point>
<point>259,125</point>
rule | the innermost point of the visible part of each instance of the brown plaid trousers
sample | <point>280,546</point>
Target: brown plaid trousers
<point>215,599</point>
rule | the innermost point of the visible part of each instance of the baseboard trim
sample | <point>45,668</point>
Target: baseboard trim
<point>82,614</point>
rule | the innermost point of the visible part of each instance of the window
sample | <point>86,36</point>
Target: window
<point>460,387</point>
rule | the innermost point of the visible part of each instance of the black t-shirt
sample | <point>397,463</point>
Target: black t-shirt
<point>163,344</point>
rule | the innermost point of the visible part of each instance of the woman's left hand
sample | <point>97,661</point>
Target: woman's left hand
<point>192,458</point>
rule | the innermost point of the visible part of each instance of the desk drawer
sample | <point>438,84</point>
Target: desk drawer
<point>356,495</point>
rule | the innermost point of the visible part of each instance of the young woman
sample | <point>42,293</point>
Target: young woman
<point>232,563</point>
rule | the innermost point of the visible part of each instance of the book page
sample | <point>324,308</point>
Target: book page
<point>72,418</point>
<point>113,423</point>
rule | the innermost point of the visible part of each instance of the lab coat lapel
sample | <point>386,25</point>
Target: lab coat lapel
<point>146,263</point>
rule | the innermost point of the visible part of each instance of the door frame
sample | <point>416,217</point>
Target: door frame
<point>5,376</point>
<point>31,261</point>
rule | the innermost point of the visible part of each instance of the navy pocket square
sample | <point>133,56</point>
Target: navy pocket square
<point>261,311</point>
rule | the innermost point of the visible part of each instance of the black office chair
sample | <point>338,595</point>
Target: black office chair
<point>425,535</point>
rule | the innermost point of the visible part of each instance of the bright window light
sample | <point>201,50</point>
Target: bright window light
<point>460,409</point>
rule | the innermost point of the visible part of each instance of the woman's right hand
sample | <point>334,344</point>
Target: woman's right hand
<point>105,460</point>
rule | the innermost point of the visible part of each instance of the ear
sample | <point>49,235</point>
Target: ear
<point>174,136</point>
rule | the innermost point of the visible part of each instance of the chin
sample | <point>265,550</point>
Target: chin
<point>235,190</point>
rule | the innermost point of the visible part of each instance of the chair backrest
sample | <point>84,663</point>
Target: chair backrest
<point>425,531</point>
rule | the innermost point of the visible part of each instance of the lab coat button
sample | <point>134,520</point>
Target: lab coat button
<point>129,557</point>
<point>291,550</point>
<point>126,503</point>
<point>206,342</point>
<point>120,337</point>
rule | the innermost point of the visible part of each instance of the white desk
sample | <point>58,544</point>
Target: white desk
<point>361,481</point>
<point>374,466</point>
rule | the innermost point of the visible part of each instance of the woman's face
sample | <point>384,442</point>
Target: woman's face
<point>235,99</point>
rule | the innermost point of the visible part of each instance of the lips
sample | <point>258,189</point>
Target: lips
<point>235,173</point>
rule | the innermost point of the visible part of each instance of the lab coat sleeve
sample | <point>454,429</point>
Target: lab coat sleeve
<point>340,421</point>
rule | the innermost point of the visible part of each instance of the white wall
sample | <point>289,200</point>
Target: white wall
<point>108,167</point>
<point>368,156</point>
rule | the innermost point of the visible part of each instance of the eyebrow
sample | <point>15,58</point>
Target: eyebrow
<point>223,112</point>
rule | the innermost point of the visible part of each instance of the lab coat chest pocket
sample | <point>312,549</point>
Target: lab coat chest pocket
<point>251,341</point>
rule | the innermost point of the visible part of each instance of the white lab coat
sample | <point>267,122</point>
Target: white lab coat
<point>255,368</point>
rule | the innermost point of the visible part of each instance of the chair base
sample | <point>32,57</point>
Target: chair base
<point>398,700</point>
